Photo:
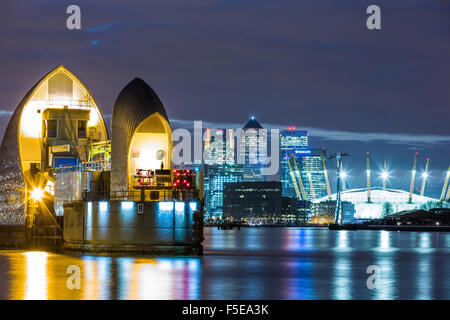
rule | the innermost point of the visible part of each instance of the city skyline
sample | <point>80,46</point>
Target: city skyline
<point>353,90</point>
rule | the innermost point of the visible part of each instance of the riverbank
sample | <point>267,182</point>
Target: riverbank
<point>355,227</point>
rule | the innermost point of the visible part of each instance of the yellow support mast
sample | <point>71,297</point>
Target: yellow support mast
<point>343,177</point>
<point>368,177</point>
<point>294,182</point>
<point>311,186</point>
<point>326,177</point>
<point>384,175</point>
<point>424,178</point>
<point>413,177</point>
<point>444,188</point>
<point>299,178</point>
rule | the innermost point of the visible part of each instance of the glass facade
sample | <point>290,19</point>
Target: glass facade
<point>253,150</point>
<point>214,179</point>
<point>294,145</point>
<point>256,199</point>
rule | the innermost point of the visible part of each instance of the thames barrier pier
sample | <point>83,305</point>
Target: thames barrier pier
<point>64,185</point>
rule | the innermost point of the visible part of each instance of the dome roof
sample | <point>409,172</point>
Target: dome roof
<point>378,196</point>
<point>136,102</point>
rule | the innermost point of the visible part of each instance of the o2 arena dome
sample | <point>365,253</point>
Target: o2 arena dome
<point>399,200</point>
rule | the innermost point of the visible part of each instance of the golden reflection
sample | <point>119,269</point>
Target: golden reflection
<point>36,276</point>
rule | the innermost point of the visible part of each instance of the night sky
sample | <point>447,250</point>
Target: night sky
<point>312,64</point>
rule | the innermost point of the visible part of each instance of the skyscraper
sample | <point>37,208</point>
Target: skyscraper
<point>308,163</point>
<point>219,168</point>
<point>219,146</point>
<point>289,140</point>
<point>253,150</point>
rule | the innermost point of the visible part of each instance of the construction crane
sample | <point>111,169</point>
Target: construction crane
<point>339,214</point>
<point>299,178</point>
<point>368,178</point>
<point>308,174</point>
<point>326,177</point>
<point>294,182</point>
<point>384,175</point>
<point>444,188</point>
<point>413,177</point>
<point>424,178</point>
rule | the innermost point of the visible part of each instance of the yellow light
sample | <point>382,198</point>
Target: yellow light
<point>37,194</point>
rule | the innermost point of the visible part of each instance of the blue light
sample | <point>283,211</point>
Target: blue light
<point>103,206</point>
<point>165,205</point>
<point>127,205</point>
<point>193,206</point>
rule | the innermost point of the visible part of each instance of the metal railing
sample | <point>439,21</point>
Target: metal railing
<point>143,195</point>
<point>84,166</point>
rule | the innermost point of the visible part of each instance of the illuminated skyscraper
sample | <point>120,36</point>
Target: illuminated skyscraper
<point>219,146</point>
<point>289,140</point>
<point>294,146</point>
<point>219,168</point>
<point>253,150</point>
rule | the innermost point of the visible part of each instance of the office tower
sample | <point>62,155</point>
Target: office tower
<point>215,176</point>
<point>290,140</point>
<point>219,146</point>
<point>253,150</point>
<point>219,168</point>
<point>255,199</point>
<point>304,164</point>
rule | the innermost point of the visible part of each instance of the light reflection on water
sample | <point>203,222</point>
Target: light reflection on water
<point>251,263</point>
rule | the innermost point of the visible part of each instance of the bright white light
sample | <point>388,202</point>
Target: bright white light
<point>165,205</point>
<point>37,194</point>
<point>424,175</point>
<point>127,205</point>
<point>179,206</point>
<point>343,174</point>
<point>103,206</point>
<point>193,206</point>
<point>384,175</point>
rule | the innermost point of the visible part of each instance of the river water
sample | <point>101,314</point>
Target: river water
<point>251,263</point>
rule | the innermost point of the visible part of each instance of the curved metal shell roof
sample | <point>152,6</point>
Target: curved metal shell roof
<point>135,103</point>
<point>12,182</point>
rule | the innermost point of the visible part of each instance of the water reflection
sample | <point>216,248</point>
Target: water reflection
<point>36,275</point>
<point>272,263</point>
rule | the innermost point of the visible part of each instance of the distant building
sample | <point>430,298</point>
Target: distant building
<point>324,212</point>
<point>295,211</point>
<point>294,145</point>
<point>398,199</point>
<point>215,176</point>
<point>219,147</point>
<point>219,168</point>
<point>261,199</point>
<point>253,150</point>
